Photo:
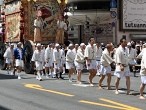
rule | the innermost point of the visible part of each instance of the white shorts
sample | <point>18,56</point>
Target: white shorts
<point>58,65</point>
<point>9,61</point>
<point>92,65</point>
<point>98,62</point>
<point>143,79</point>
<point>70,65</point>
<point>79,66</point>
<point>132,62</point>
<point>63,62</point>
<point>75,62</point>
<point>19,63</point>
<point>124,73</point>
<point>39,65</point>
<point>105,70</point>
<point>49,63</point>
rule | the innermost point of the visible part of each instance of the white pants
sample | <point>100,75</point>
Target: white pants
<point>132,62</point>
<point>143,79</point>
<point>91,65</point>
<point>79,66</point>
<point>9,61</point>
<point>19,63</point>
<point>105,70</point>
<point>63,62</point>
<point>120,73</point>
<point>70,65</point>
<point>39,66</point>
<point>49,63</point>
<point>57,65</point>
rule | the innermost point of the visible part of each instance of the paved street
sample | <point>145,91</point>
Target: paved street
<point>52,94</point>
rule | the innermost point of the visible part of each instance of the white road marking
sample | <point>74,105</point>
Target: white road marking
<point>81,85</point>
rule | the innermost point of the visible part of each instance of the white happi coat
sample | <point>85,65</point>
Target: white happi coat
<point>75,51</point>
<point>143,65</point>
<point>141,53</point>
<point>70,56</point>
<point>99,53</point>
<point>106,59</point>
<point>121,57</point>
<point>8,55</point>
<point>61,25</point>
<point>131,55</point>
<point>43,57</point>
<point>57,57</point>
<point>90,52</point>
<point>38,59</point>
<point>80,58</point>
<point>48,55</point>
<point>62,52</point>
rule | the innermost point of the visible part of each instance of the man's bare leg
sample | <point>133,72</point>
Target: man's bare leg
<point>117,85</point>
<point>128,84</point>
<point>108,81</point>
<point>142,87</point>
<point>100,81</point>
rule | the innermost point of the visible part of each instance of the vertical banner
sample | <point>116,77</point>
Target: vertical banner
<point>12,27</point>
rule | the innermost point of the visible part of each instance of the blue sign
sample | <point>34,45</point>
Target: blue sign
<point>113,3</point>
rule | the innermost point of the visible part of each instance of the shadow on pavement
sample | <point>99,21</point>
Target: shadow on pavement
<point>4,108</point>
<point>4,76</point>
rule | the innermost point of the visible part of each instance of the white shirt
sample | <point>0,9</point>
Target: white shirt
<point>99,53</point>
<point>62,54</point>
<point>37,56</point>
<point>9,53</point>
<point>70,56</point>
<point>90,52</point>
<point>56,56</point>
<point>43,54</point>
<point>75,51</point>
<point>121,56</point>
<point>143,65</point>
<point>141,53</point>
<point>48,54</point>
<point>61,25</point>
<point>131,54</point>
<point>106,59</point>
<point>80,56</point>
<point>20,53</point>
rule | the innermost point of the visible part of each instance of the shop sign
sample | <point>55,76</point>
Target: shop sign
<point>134,14</point>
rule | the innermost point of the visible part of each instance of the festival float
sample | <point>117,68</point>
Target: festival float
<point>19,19</point>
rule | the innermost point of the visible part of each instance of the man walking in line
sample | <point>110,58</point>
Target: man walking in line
<point>90,56</point>
<point>9,58</point>
<point>105,69</point>
<point>132,58</point>
<point>49,61</point>
<point>18,57</point>
<point>143,75</point>
<point>122,67</point>
<point>62,50</point>
<point>57,61</point>
<point>99,53</point>
<point>38,59</point>
<point>70,56</point>
<point>80,61</point>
